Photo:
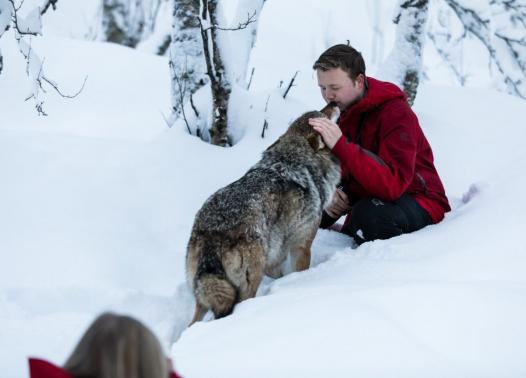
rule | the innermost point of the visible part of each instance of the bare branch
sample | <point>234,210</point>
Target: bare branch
<point>291,84</point>
<point>446,57</point>
<point>251,76</point>
<point>265,127</point>
<point>193,105</point>
<point>55,87</point>
<point>181,84</point>
<point>47,4</point>
<point>480,28</point>
<point>266,103</point>
<point>265,123</point>
<point>15,19</point>
<point>242,25</point>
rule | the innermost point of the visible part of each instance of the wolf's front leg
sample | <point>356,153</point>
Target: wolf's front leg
<point>300,253</point>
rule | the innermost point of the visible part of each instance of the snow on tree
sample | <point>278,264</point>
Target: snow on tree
<point>25,28</point>
<point>187,64</point>
<point>128,22</point>
<point>202,51</point>
<point>403,65</point>
<point>6,12</point>
<point>158,39</point>
<point>244,39</point>
<point>500,25</point>
<point>220,83</point>
<point>218,58</point>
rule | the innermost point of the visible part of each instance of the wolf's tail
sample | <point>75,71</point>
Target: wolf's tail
<point>216,292</point>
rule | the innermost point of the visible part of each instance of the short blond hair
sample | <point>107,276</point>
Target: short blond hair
<point>117,346</point>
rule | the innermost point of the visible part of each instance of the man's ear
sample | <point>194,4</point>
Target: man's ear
<point>316,142</point>
<point>361,80</point>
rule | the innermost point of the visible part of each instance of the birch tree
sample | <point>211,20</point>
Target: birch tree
<point>202,53</point>
<point>187,64</point>
<point>215,69</point>
<point>403,66</point>
<point>128,22</point>
<point>499,25</point>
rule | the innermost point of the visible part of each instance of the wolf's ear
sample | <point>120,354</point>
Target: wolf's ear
<point>316,142</point>
<point>331,111</point>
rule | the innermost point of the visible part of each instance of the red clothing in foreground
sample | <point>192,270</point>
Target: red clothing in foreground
<point>42,369</point>
<point>384,153</point>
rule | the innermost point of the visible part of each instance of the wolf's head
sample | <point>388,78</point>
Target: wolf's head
<point>302,127</point>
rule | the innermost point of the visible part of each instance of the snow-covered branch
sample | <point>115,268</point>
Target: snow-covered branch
<point>47,4</point>
<point>24,29</point>
<point>30,25</point>
<point>251,18</point>
<point>500,27</point>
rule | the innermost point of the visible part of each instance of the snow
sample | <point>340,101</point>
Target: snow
<point>98,198</point>
<point>6,11</point>
<point>32,23</point>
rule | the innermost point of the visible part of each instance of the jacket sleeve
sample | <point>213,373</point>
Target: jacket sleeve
<point>388,174</point>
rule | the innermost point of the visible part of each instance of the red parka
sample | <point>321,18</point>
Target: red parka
<point>384,153</point>
<point>43,369</point>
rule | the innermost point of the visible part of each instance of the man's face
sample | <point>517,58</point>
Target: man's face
<point>336,85</point>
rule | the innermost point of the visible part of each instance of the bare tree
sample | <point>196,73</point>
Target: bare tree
<point>215,69</point>
<point>25,28</point>
<point>220,80</point>
<point>500,25</point>
<point>187,64</point>
<point>404,64</point>
<point>128,22</point>
<point>198,55</point>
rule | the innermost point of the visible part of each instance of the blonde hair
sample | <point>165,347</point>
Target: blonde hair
<point>117,346</point>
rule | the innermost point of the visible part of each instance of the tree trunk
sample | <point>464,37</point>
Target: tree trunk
<point>404,64</point>
<point>123,21</point>
<point>216,72</point>
<point>187,65</point>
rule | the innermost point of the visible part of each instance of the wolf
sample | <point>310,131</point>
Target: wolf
<point>248,228</point>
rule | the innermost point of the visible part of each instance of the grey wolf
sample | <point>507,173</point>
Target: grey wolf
<point>248,228</point>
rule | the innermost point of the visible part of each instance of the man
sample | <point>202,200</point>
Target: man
<point>389,183</point>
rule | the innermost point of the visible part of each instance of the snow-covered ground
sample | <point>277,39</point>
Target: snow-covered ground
<point>97,201</point>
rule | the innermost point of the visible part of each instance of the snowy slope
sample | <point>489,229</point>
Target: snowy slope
<point>97,201</point>
<point>448,300</point>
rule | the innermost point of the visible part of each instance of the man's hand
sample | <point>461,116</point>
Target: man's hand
<point>329,131</point>
<point>339,205</point>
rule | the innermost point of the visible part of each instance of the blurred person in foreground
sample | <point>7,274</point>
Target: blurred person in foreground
<point>114,346</point>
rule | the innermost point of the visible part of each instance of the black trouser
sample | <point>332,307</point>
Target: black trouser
<point>373,219</point>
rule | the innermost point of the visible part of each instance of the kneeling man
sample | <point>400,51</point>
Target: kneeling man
<point>390,185</point>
